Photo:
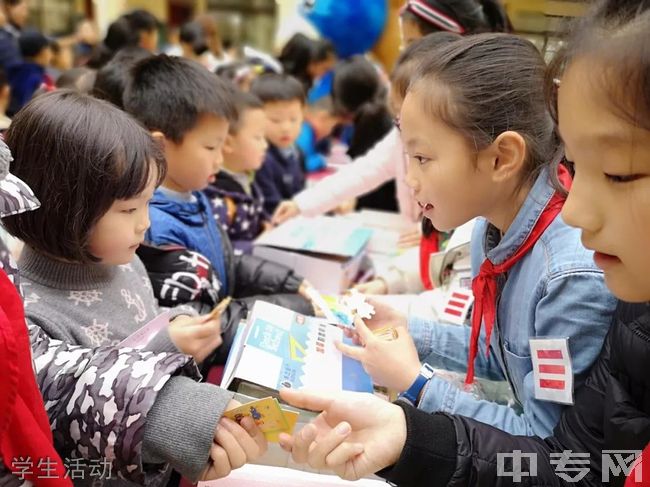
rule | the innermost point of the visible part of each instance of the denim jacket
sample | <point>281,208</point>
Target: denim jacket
<point>554,291</point>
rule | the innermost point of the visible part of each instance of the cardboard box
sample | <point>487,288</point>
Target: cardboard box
<point>326,251</point>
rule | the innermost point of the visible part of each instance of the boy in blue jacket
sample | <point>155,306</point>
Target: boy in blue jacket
<point>189,110</point>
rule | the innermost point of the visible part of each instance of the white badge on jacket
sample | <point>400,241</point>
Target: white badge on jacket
<point>456,306</point>
<point>552,369</point>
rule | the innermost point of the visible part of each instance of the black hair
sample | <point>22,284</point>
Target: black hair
<point>169,94</point>
<point>487,84</point>
<point>244,101</point>
<point>80,79</point>
<point>142,20</point>
<point>409,59</point>
<point>90,154</point>
<point>111,79</point>
<point>273,87</point>
<point>356,86</point>
<point>296,56</point>
<point>322,49</point>
<point>118,36</point>
<point>474,16</point>
<point>192,33</point>
<point>3,78</point>
<point>614,35</point>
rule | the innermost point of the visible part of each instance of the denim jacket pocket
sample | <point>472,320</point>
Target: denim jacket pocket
<point>517,367</point>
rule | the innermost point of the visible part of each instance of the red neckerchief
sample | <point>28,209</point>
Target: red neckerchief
<point>24,426</point>
<point>484,285</point>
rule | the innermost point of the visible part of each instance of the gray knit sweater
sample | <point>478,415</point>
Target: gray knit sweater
<point>91,305</point>
<point>97,305</point>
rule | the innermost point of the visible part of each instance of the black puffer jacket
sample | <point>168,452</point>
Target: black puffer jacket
<point>182,276</point>
<point>611,412</point>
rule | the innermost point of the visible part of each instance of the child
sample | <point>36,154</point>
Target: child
<point>380,164</point>
<point>236,198</point>
<point>532,277</point>
<point>320,120</point>
<point>422,17</point>
<point>188,109</point>
<point>28,76</point>
<point>84,286</point>
<point>145,25</point>
<point>608,202</point>
<point>282,174</point>
<point>5,97</point>
<point>111,79</point>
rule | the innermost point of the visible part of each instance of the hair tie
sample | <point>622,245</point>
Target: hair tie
<point>434,16</point>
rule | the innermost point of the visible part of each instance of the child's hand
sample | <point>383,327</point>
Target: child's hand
<point>303,291</point>
<point>286,210</point>
<point>345,438</point>
<point>375,286</point>
<point>391,363</point>
<point>345,207</point>
<point>197,336</point>
<point>410,238</point>
<point>233,446</point>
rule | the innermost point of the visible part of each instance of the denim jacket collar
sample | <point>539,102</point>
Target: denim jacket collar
<point>534,204</point>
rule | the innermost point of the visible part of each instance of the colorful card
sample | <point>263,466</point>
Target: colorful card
<point>266,413</point>
<point>292,419</point>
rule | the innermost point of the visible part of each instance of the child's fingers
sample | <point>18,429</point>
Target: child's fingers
<point>365,334</point>
<point>205,330</point>
<point>317,455</point>
<point>342,454</point>
<point>286,441</point>
<point>220,465</point>
<point>311,400</point>
<point>356,353</point>
<point>302,441</point>
<point>244,438</point>
<point>225,438</point>
<point>255,433</point>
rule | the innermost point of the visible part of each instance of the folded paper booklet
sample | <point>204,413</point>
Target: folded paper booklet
<point>145,334</point>
<point>277,348</point>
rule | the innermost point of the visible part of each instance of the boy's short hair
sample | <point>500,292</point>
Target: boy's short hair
<point>142,20</point>
<point>273,87</point>
<point>169,94</point>
<point>32,42</point>
<point>89,155</point>
<point>112,78</point>
<point>244,101</point>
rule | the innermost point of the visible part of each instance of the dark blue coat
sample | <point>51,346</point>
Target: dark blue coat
<point>280,178</point>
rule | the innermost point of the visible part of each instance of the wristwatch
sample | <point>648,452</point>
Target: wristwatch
<point>413,393</point>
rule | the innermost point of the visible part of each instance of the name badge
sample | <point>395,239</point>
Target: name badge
<point>552,369</point>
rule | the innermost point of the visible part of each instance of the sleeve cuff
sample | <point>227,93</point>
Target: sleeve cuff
<point>429,454</point>
<point>181,424</point>
<point>421,331</point>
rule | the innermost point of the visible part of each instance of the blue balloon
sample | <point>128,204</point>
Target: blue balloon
<point>353,26</point>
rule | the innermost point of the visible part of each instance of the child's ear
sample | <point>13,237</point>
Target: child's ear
<point>509,150</point>
<point>158,136</point>
<point>228,145</point>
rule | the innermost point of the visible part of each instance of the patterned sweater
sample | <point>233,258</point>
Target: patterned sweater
<point>238,206</point>
<point>132,441</point>
<point>91,305</point>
